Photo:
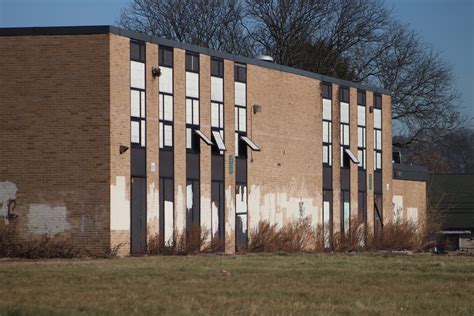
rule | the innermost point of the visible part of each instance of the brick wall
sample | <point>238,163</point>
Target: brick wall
<point>409,201</point>
<point>285,178</point>
<point>55,136</point>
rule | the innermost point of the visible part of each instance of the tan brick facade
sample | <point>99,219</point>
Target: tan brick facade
<point>67,100</point>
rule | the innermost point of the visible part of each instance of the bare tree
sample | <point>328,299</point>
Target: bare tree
<point>210,23</point>
<point>357,40</point>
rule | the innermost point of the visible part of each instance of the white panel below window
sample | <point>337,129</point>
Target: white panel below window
<point>344,112</point>
<point>161,132</point>
<point>240,93</point>
<point>196,112</point>
<point>160,106</point>
<point>137,75</point>
<point>327,109</point>
<point>192,84</point>
<point>168,108</point>
<point>217,89</point>
<point>143,104</point>
<point>165,81</point>
<point>168,139</point>
<point>345,140</point>
<point>379,140</point>
<point>189,111</point>
<point>189,138</point>
<point>135,103</point>
<point>221,115</point>
<point>377,118</point>
<point>215,114</point>
<point>135,132</point>
<point>143,133</point>
<point>379,160</point>
<point>361,115</point>
<point>242,119</point>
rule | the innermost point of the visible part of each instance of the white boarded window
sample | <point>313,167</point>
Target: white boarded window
<point>377,118</point>
<point>165,82</point>
<point>327,132</point>
<point>215,114</point>
<point>345,134</point>
<point>240,94</point>
<point>160,106</point>
<point>161,135</point>
<point>217,89</point>
<point>242,120</point>
<point>196,112</point>
<point>168,108</point>
<point>135,103</point>
<point>137,74</point>
<point>327,109</point>
<point>135,132</point>
<point>143,133</point>
<point>142,104</point>
<point>189,111</point>
<point>361,115</point>
<point>192,84</point>
<point>189,135</point>
<point>344,112</point>
<point>168,137</point>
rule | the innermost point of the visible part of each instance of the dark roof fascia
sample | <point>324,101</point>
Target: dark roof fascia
<point>104,29</point>
<point>410,172</point>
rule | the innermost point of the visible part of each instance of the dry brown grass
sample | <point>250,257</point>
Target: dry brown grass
<point>192,241</point>
<point>396,236</point>
<point>298,236</point>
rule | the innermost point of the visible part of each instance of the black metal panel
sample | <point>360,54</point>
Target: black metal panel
<point>166,193</point>
<point>166,163</point>
<point>378,213</point>
<point>362,205</point>
<point>378,182</point>
<point>327,177</point>
<point>241,232</point>
<point>362,180</point>
<point>217,168</point>
<point>138,216</point>
<point>192,166</point>
<point>193,213</point>
<point>240,170</point>
<point>345,179</point>
<point>217,197</point>
<point>138,162</point>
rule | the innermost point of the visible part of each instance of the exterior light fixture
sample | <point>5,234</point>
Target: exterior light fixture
<point>257,108</point>
<point>123,149</point>
<point>155,72</point>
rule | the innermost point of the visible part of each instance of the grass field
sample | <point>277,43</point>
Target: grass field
<point>263,284</point>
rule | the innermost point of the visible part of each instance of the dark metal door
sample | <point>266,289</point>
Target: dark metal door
<point>138,216</point>
<point>217,192</point>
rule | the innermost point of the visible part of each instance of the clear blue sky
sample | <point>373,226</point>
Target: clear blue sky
<point>446,24</point>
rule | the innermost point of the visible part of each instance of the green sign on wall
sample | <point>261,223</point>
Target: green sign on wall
<point>231,164</point>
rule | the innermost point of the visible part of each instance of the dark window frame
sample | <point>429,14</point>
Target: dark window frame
<point>240,73</point>
<point>163,57</point>
<point>217,67</point>
<point>191,60</point>
<point>141,51</point>
<point>195,139</point>
<point>166,123</point>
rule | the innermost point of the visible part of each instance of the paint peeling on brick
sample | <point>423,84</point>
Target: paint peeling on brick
<point>47,219</point>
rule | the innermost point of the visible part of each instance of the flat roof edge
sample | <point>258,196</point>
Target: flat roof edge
<point>105,29</point>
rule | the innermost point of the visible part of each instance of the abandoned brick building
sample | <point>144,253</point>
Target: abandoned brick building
<point>113,137</point>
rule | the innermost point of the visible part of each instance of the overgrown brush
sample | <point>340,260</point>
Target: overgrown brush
<point>192,241</point>
<point>299,236</point>
<point>396,236</point>
<point>40,247</point>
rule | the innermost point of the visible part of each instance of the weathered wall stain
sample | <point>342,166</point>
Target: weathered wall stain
<point>7,193</point>
<point>47,219</point>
